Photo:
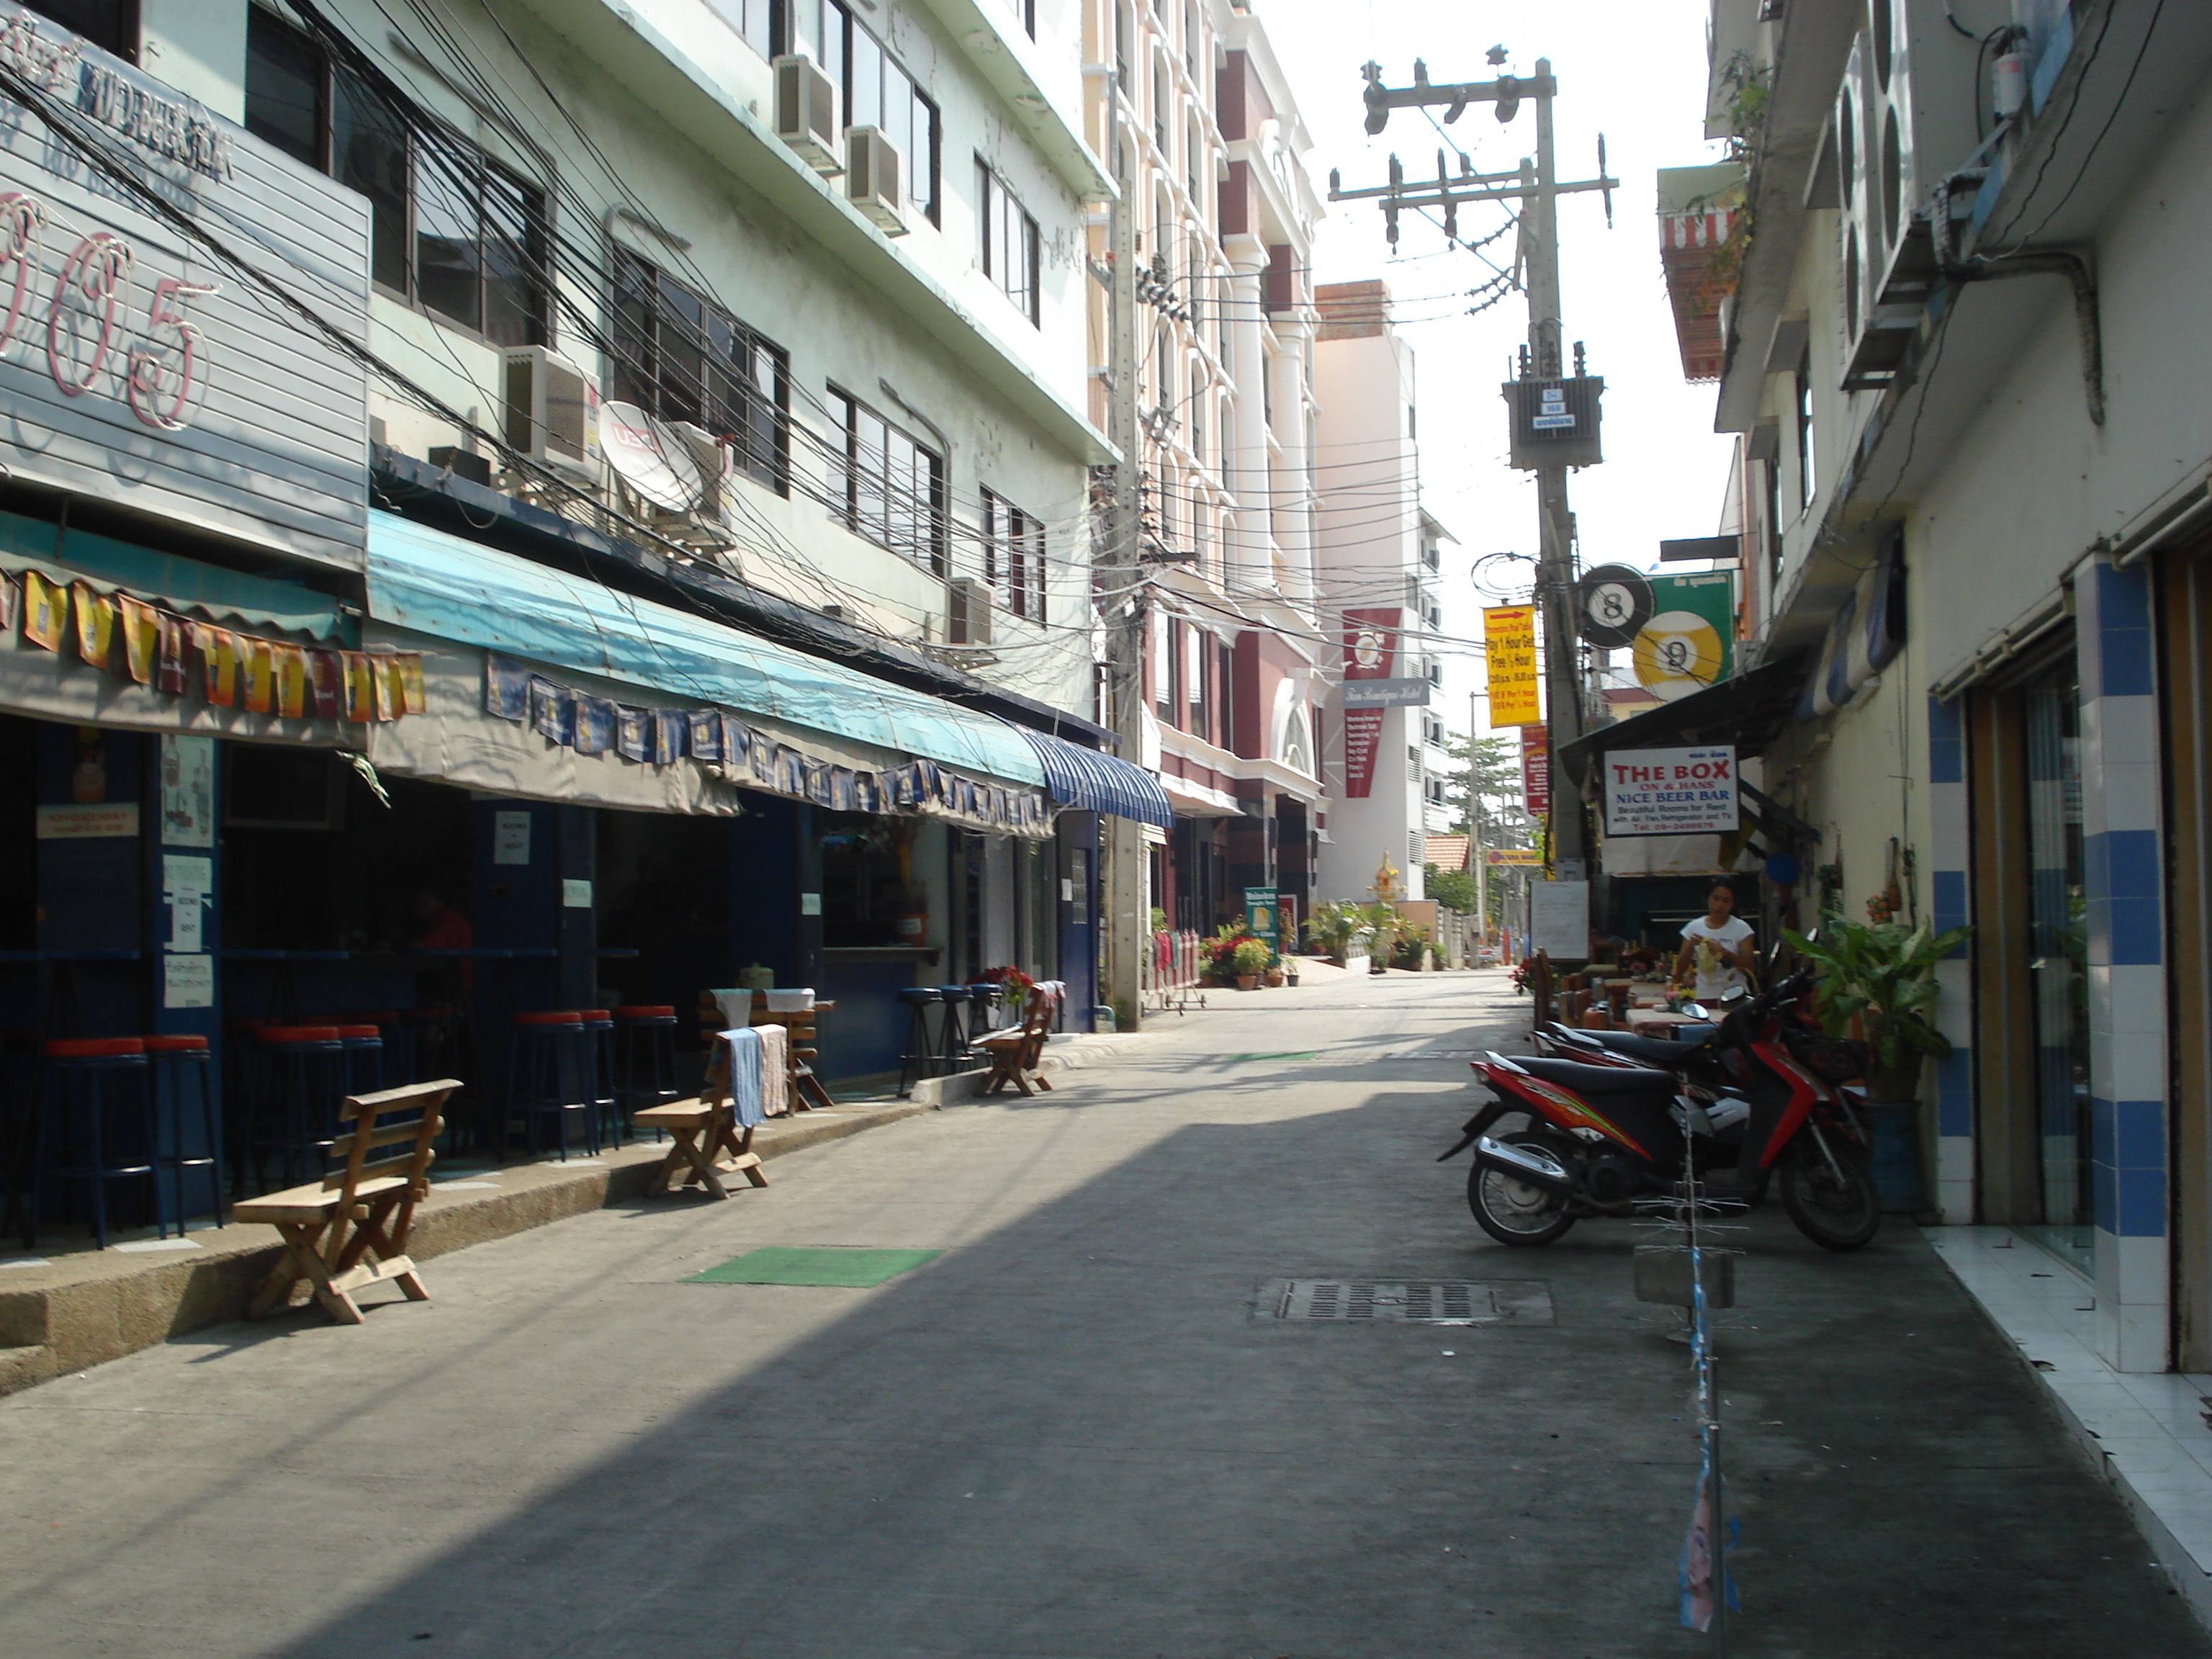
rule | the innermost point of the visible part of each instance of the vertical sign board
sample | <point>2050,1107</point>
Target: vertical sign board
<point>1260,916</point>
<point>1536,770</point>
<point>1370,650</point>
<point>1671,791</point>
<point>1509,643</point>
<point>1689,642</point>
<point>137,365</point>
<point>1558,919</point>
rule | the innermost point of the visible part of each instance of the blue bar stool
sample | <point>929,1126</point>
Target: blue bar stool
<point>299,1074</point>
<point>547,1080</point>
<point>364,1058</point>
<point>182,1093</point>
<point>986,1000</point>
<point>952,1035</point>
<point>608,1126</point>
<point>645,1057</point>
<point>920,1059</point>
<point>95,1103</point>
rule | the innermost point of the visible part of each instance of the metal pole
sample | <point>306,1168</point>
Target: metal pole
<point>1127,900</point>
<point>1474,829</point>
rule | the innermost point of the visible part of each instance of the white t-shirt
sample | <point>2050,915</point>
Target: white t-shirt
<point>1716,973</point>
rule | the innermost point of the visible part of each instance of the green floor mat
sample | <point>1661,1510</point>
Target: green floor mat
<point>782,1264</point>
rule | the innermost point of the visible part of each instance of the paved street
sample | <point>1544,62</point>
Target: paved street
<point>1078,1434</point>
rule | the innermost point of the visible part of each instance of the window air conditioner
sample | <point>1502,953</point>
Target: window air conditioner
<point>969,603</point>
<point>873,182</point>
<point>806,112</point>
<point>552,410</point>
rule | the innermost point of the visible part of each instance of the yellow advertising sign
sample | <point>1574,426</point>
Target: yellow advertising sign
<point>1509,638</point>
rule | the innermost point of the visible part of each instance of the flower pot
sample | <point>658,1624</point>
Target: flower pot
<point>1274,977</point>
<point>1248,981</point>
<point>1899,1181</point>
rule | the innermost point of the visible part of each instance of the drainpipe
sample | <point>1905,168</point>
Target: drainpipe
<point>2042,263</point>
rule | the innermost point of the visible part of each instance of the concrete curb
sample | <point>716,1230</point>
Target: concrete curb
<point>90,1307</point>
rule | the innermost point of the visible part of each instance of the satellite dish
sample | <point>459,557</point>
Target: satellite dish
<point>649,458</point>
<point>1615,601</point>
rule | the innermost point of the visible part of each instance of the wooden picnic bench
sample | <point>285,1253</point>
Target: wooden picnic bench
<point>801,1049</point>
<point>349,1230</point>
<point>700,1132</point>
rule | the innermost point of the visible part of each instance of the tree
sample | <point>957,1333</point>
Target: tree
<point>1496,780</point>
<point>1453,889</point>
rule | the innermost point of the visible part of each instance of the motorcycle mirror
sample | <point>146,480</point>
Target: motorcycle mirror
<point>1734,994</point>
<point>1696,1010</point>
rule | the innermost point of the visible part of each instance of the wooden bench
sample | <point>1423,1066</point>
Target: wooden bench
<point>700,1132</point>
<point>1014,1051</point>
<point>350,1230</point>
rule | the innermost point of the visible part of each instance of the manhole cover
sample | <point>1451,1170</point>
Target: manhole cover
<point>1413,1301</point>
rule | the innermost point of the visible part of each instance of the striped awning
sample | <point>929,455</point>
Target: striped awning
<point>1092,782</point>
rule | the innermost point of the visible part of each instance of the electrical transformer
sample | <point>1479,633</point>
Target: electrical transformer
<point>1555,423</point>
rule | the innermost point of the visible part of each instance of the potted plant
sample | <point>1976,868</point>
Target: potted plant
<point>1274,973</point>
<point>1881,975</point>
<point>1250,957</point>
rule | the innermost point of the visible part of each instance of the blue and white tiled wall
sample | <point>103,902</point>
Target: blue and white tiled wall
<point>2128,1069</point>
<point>1948,855</point>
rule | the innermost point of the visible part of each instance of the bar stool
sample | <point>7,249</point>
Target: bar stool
<point>985,999</point>
<point>93,1094</point>
<point>645,1057</point>
<point>546,1077</point>
<point>364,1058</point>
<point>597,1055</point>
<point>180,1066</point>
<point>952,1033</point>
<point>401,1046</point>
<point>920,1055</point>
<point>298,1075</point>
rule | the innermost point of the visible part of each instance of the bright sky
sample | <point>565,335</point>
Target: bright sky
<point>1634,70</point>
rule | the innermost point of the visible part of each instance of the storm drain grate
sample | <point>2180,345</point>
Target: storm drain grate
<point>1413,1302</point>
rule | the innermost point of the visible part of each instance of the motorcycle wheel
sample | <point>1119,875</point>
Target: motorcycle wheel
<point>1515,1212</point>
<point>1836,1217</point>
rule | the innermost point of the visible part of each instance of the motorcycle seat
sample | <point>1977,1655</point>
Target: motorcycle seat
<point>1657,1050</point>
<point>1598,1079</point>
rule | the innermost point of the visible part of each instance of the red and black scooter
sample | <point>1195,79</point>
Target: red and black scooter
<point>1598,1138</point>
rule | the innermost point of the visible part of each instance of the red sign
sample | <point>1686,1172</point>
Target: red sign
<point>1370,650</point>
<point>1536,769</point>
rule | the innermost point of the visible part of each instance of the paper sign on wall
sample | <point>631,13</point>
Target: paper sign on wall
<point>510,837</point>
<point>188,981</point>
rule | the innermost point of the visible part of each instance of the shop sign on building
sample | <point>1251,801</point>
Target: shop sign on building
<point>1386,694</point>
<point>136,362</point>
<point>1370,650</point>
<point>1509,644</point>
<point>1670,792</point>
<point>1260,916</point>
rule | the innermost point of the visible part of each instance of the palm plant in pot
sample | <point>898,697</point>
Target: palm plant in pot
<point>1251,958</point>
<point>1880,976</point>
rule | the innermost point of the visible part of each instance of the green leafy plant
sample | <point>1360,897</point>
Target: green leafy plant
<point>1453,889</point>
<point>1253,958</point>
<point>1335,927</point>
<point>1884,974</point>
<point>1159,919</point>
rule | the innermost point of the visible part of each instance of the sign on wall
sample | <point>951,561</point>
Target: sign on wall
<point>1670,792</point>
<point>1687,644</point>
<point>1386,694</point>
<point>1370,652</point>
<point>1558,919</point>
<point>138,365</point>
<point>1509,642</point>
<point>1261,918</point>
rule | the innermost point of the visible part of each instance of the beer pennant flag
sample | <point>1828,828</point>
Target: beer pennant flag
<point>384,687</point>
<point>7,605</point>
<point>325,673</point>
<point>360,694</point>
<point>414,698</point>
<point>45,611</point>
<point>218,649</point>
<point>95,623</point>
<point>257,658</point>
<point>291,663</point>
<point>140,641</point>
<point>172,673</point>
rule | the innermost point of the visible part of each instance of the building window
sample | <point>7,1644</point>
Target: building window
<point>1007,242</point>
<point>1024,13</point>
<point>111,24</point>
<point>1805,430</point>
<point>683,358</point>
<point>1013,557</point>
<point>888,486</point>
<point>754,18</point>
<point>451,229</point>
<point>877,91</point>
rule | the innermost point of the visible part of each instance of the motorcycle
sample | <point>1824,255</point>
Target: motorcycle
<point>1750,1098</point>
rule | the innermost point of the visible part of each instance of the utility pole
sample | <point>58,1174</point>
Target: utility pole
<point>1474,824</point>
<point>1537,189</point>
<point>1126,901</point>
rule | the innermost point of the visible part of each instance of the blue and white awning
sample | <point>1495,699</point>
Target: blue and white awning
<point>1864,638</point>
<point>1092,782</point>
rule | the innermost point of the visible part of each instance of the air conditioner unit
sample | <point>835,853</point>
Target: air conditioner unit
<point>873,179</point>
<point>712,457</point>
<point>970,603</point>
<point>806,112</point>
<point>1911,127</point>
<point>552,410</point>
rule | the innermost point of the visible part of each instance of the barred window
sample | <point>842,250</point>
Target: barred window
<point>889,486</point>
<point>683,358</point>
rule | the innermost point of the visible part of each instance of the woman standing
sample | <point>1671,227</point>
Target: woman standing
<point>1716,947</point>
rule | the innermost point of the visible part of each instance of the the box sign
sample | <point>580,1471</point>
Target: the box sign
<point>139,364</point>
<point>1670,792</point>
